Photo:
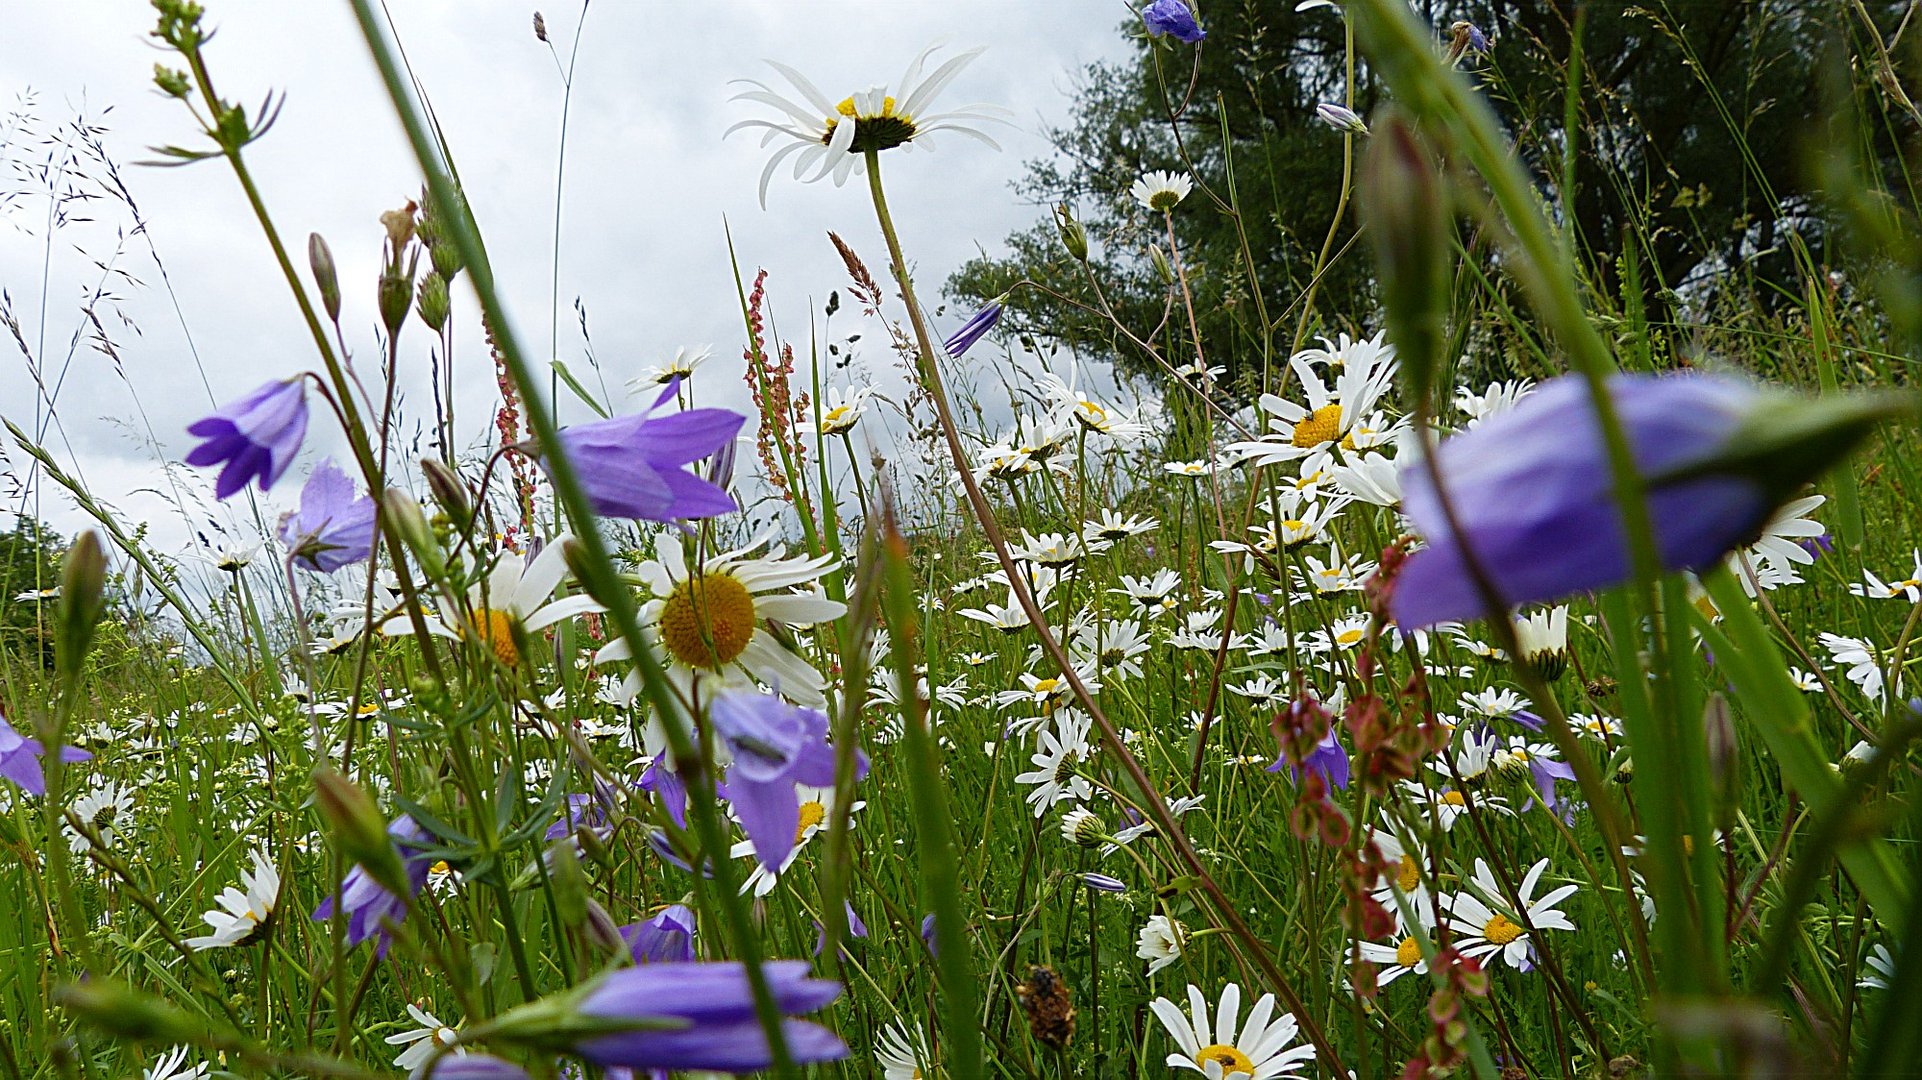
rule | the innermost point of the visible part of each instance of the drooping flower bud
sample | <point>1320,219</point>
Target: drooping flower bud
<point>1074,236</point>
<point>1405,206</point>
<point>83,590</point>
<point>320,259</point>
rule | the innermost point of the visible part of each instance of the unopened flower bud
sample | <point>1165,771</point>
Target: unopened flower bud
<point>1081,826</point>
<point>448,490</point>
<point>1160,260</point>
<point>400,509</point>
<point>1073,236</point>
<point>1724,760</point>
<point>359,831</point>
<point>83,590</point>
<point>1341,118</point>
<point>172,81</point>
<point>569,884</point>
<point>321,261</point>
<point>1405,206</point>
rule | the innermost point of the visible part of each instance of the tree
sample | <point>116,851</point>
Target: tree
<point>1687,130</point>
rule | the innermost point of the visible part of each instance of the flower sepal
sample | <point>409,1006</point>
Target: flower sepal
<point>1786,440</point>
<point>556,1023</point>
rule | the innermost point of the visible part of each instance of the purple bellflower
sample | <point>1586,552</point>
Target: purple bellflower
<point>366,903</point>
<point>721,1033</point>
<point>660,780</point>
<point>1103,883</point>
<point>632,466</point>
<point>775,747</point>
<point>1328,758</point>
<point>1172,17</point>
<point>20,759</point>
<point>856,929</point>
<point>666,938</point>
<point>257,436</point>
<point>1532,491</point>
<point>971,332</point>
<point>334,526</point>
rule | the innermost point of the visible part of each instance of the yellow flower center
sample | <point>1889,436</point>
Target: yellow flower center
<point>1348,637</point>
<point>1321,426</point>
<point>1898,586</point>
<point>875,131</point>
<point>812,815</point>
<point>495,629</point>
<point>846,108</point>
<point>1500,931</point>
<point>1410,875</point>
<point>1408,953</point>
<point>832,417</point>
<point>1092,415</point>
<point>707,620</point>
<point>1046,687</point>
<point>440,867</point>
<point>1454,798</point>
<point>1229,1058</point>
<point>367,709</point>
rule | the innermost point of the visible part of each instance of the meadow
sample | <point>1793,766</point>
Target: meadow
<point>1470,656</point>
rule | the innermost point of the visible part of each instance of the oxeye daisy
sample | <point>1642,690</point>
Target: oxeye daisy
<point>1783,538</point>
<point>1482,930</point>
<point>424,1042</point>
<point>1497,399</point>
<point>106,809</point>
<point>902,1056</point>
<point>1543,637</point>
<point>840,410</point>
<point>1860,657</point>
<point>1445,806</point>
<point>680,366</point>
<point>1114,527</point>
<point>1908,588</point>
<point>1332,413</point>
<point>1161,191</point>
<point>1151,595</point>
<point>817,808</point>
<point>1059,751</point>
<point>508,604</point>
<point>826,138</point>
<point>1160,942</point>
<point>173,1066</point>
<point>717,619</point>
<point>1262,1048</point>
<point>245,913</point>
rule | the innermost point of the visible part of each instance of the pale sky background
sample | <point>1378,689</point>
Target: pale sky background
<point>649,181</point>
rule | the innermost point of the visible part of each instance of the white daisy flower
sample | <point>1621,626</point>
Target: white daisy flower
<point>715,622</point>
<point>244,913</point>
<point>1497,399</point>
<point>1312,431</point>
<point>903,1056</point>
<point>1909,588</point>
<point>510,603</point>
<point>1878,969</point>
<point>827,139</point>
<point>1059,751</point>
<point>423,1042</point>
<point>840,410</point>
<point>680,366</point>
<point>1482,930</point>
<point>106,809</point>
<point>1160,942</point>
<point>1162,191</point>
<point>1791,523</point>
<point>1261,1049</point>
<point>817,808</point>
<point>1859,655</point>
<point>173,1066</point>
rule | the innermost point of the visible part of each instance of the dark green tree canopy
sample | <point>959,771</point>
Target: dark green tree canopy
<point>1689,126</point>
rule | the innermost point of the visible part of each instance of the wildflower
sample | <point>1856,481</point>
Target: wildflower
<point>680,366</point>
<point>972,331</point>
<point>1261,1049</point>
<point>1909,588</point>
<point>1114,528</point>
<point>1878,969</point>
<point>244,913</point>
<point>334,527</point>
<point>1341,118</point>
<point>716,622</point>
<point>1081,827</point>
<point>234,559</point>
<point>829,139</point>
<point>631,466</point>
<point>424,1042</point>
<point>20,759</point>
<point>1532,491</point>
<point>1172,18</point>
<point>173,1066</point>
<point>366,904</point>
<point>476,1067</point>
<point>1539,760</point>
<point>817,805</point>
<point>720,1032</point>
<point>507,605</point>
<point>1162,191</point>
<point>840,410</point>
<point>1103,883</point>
<point>1543,638</point>
<point>1332,414</point>
<point>1059,751</point>
<point>666,938</point>
<point>1482,931</point>
<point>1328,759</point>
<point>776,748</point>
<point>103,809</point>
<point>1859,656</point>
<point>257,436</point>
<point>1160,942</point>
<point>902,1056</point>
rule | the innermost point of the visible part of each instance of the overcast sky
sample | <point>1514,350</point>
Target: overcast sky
<point>650,183</point>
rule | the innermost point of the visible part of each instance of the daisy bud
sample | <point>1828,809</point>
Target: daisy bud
<point>1079,826</point>
<point>1405,206</point>
<point>400,509</point>
<point>83,586</point>
<point>321,261</point>
<point>1073,236</point>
